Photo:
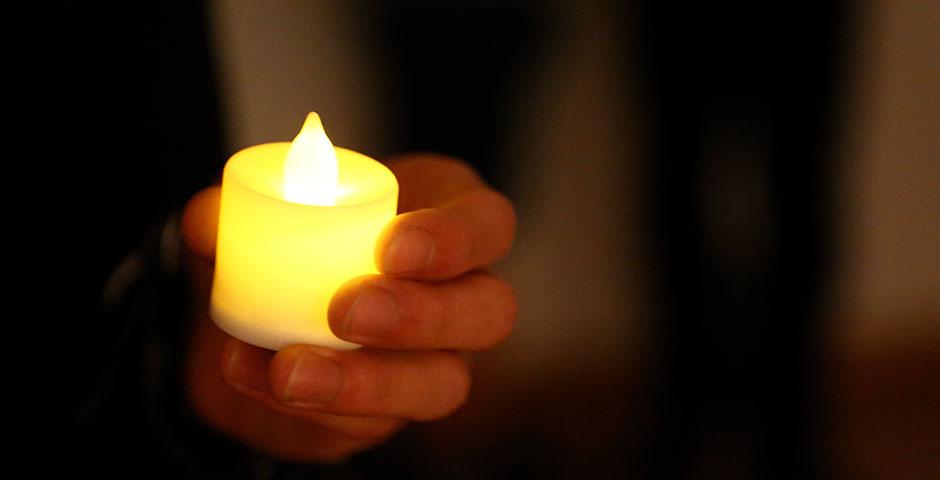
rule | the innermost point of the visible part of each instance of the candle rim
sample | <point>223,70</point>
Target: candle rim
<point>234,171</point>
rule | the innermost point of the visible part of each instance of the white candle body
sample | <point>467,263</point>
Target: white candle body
<point>278,263</point>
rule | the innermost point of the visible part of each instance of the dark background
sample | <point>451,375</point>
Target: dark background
<point>737,381</point>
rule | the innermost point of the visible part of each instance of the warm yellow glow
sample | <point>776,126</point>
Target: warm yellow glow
<point>279,261</point>
<point>311,170</point>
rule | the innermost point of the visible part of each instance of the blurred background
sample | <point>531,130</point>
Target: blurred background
<point>726,263</point>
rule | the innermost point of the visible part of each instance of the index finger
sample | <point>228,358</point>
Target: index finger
<point>453,222</point>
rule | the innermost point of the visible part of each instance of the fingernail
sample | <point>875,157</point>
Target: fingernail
<point>410,251</point>
<point>314,378</point>
<point>373,313</point>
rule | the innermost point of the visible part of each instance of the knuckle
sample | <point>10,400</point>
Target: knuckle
<point>461,391</point>
<point>439,326</point>
<point>452,391</point>
<point>503,214</point>
<point>461,382</point>
<point>502,311</point>
<point>456,241</point>
<point>510,311</point>
<point>505,210</point>
<point>365,397</point>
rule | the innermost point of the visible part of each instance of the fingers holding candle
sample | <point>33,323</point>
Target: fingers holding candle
<point>229,388</point>
<point>430,180</point>
<point>309,382</point>
<point>416,385</point>
<point>472,312</point>
<point>318,404</point>
<point>459,224</point>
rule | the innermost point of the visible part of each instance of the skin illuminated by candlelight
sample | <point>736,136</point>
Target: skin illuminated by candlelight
<point>432,301</point>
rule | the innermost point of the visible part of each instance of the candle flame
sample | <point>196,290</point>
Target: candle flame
<point>311,171</point>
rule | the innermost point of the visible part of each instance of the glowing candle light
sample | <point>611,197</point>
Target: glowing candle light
<point>311,170</point>
<point>296,221</point>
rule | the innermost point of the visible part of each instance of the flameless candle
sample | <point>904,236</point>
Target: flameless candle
<point>296,221</point>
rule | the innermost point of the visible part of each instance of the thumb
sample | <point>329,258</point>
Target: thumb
<point>200,222</point>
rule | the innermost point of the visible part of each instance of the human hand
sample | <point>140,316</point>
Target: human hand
<point>433,302</point>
